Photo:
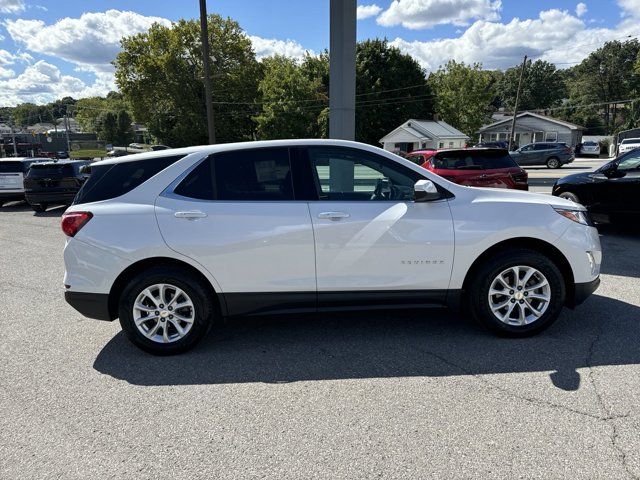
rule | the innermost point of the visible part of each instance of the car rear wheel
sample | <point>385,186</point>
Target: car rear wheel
<point>517,293</point>
<point>553,162</point>
<point>570,196</point>
<point>39,207</point>
<point>165,311</point>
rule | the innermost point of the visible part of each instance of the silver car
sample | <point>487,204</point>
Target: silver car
<point>590,148</point>
<point>553,155</point>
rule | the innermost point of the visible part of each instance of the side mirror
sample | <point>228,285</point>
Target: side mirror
<point>425,191</point>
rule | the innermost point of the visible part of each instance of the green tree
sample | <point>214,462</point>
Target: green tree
<point>107,127</point>
<point>124,131</point>
<point>543,86</point>
<point>160,75</point>
<point>291,100</point>
<point>606,75</point>
<point>463,95</point>
<point>390,87</point>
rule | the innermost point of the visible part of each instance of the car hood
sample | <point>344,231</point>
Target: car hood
<point>577,179</point>
<point>508,196</point>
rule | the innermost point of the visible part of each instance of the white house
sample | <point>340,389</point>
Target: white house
<point>415,134</point>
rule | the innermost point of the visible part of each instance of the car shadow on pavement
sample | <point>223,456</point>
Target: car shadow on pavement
<point>435,343</point>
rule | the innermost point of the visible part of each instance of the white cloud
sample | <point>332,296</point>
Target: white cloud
<point>419,14</point>
<point>555,36</point>
<point>581,9</point>
<point>366,11</point>
<point>92,40</point>
<point>265,47</point>
<point>11,6</point>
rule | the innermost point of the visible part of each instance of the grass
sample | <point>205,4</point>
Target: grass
<point>88,153</point>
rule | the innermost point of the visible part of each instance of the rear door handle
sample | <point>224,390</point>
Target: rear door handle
<point>193,214</point>
<point>333,215</point>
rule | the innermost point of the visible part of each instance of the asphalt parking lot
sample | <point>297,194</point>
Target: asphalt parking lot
<point>385,395</point>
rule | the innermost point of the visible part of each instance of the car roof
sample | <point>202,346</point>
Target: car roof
<point>63,162</point>
<point>23,159</point>
<point>223,147</point>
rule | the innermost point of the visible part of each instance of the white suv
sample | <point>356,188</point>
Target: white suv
<point>170,242</point>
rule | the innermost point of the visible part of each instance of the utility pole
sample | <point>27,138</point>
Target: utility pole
<point>13,137</point>
<point>66,130</point>
<point>515,107</point>
<point>204,35</point>
<point>342,69</point>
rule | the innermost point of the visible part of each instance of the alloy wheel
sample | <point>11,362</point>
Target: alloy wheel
<point>163,313</point>
<point>519,295</point>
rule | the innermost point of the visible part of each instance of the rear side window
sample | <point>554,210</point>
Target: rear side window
<point>111,181</point>
<point>260,174</point>
<point>473,160</point>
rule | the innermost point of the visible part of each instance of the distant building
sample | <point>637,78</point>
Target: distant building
<point>532,128</point>
<point>417,134</point>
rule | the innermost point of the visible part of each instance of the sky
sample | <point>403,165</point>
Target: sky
<point>51,49</point>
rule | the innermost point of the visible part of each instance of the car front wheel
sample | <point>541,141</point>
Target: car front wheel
<point>165,311</point>
<point>570,196</point>
<point>517,293</point>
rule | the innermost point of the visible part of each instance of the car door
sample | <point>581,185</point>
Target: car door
<point>235,214</point>
<point>374,244</point>
<point>526,155</point>
<point>621,190</point>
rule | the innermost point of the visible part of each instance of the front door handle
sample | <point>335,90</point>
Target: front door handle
<point>190,215</point>
<point>333,215</point>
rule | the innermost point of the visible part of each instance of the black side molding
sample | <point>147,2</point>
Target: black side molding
<point>92,305</point>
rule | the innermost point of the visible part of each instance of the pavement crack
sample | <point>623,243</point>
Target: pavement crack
<point>609,418</point>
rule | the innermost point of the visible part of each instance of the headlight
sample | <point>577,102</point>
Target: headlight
<point>579,216</point>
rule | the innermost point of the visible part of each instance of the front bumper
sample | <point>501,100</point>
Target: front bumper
<point>582,291</point>
<point>92,305</point>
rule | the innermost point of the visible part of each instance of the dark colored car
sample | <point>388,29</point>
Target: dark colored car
<point>478,167</point>
<point>497,144</point>
<point>54,183</point>
<point>553,155</point>
<point>610,193</point>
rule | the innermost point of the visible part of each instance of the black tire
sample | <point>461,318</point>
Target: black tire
<point>553,162</point>
<point>198,293</point>
<point>477,294</point>
<point>570,196</point>
<point>39,207</point>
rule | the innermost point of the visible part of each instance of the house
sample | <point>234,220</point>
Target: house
<point>416,134</point>
<point>531,128</point>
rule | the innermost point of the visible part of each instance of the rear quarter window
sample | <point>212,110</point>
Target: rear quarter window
<point>114,180</point>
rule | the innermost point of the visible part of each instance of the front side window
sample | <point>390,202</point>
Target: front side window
<point>632,162</point>
<point>349,174</point>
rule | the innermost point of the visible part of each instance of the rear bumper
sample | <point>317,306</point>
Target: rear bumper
<point>583,290</point>
<point>11,196</point>
<point>92,305</point>
<point>50,197</point>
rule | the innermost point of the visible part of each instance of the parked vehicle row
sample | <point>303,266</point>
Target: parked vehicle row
<point>171,242</point>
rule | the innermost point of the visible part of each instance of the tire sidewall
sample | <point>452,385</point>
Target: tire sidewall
<point>480,292</point>
<point>197,293</point>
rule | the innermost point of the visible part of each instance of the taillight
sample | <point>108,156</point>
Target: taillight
<point>520,177</point>
<point>72,222</point>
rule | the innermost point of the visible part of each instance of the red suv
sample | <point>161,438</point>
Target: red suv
<point>475,167</point>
